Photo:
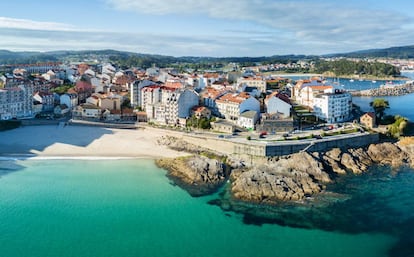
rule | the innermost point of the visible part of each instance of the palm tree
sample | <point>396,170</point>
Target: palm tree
<point>379,105</point>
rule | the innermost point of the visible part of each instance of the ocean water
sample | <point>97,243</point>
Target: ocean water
<point>130,208</point>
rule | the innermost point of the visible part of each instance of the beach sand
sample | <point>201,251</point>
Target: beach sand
<point>84,141</point>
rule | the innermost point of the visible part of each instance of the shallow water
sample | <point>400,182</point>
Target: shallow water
<point>129,208</point>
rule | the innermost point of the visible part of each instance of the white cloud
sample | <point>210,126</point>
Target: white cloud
<point>304,21</point>
<point>12,23</point>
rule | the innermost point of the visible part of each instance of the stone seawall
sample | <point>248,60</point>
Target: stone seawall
<point>268,149</point>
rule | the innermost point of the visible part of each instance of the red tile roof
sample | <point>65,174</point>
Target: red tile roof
<point>82,86</point>
<point>235,98</point>
<point>174,85</point>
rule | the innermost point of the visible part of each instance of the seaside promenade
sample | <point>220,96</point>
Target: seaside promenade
<point>91,141</point>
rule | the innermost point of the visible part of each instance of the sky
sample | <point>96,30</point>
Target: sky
<point>207,27</point>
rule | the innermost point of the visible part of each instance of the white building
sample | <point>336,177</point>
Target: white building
<point>305,83</point>
<point>306,94</point>
<point>333,107</point>
<point>256,82</point>
<point>87,111</point>
<point>248,119</point>
<point>50,75</point>
<point>16,102</point>
<point>108,69</point>
<point>70,100</point>
<point>150,95</point>
<point>278,103</point>
<point>231,105</point>
<point>135,90</point>
<point>170,105</point>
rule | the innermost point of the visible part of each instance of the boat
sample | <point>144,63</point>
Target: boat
<point>374,81</point>
<point>351,80</point>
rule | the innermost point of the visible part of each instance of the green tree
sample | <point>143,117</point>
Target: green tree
<point>397,128</point>
<point>379,105</point>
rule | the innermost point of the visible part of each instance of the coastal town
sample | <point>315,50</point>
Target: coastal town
<point>194,128</point>
<point>220,101</point>
<point>241,119</point>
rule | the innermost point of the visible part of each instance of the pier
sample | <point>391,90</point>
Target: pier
<point>387,90</point>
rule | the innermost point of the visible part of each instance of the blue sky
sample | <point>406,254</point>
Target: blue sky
<point>207,27</point>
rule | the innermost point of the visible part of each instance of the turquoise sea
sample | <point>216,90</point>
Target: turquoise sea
<point>130,208</point>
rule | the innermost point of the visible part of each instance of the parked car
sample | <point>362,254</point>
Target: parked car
<point>317,136</point>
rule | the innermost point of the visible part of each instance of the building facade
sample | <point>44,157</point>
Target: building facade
<point>334,107</point>
<point>16,102</point>
<point>278,103</point>
<point>231,105</point>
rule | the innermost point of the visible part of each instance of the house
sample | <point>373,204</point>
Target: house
<point>275,122</point>
<point>88,111</point>
<point>70,100</point>
<point>231,105</point>
<point>209,78</point>
<point>94,99</point>
<point>223,126</point>
<point>84,90</point>
<point>209,96</point>
<point>308,93</point>
<point>248,119</point>
<point>128,114</point>
<point>201,112</point>
<point>108,69</point>
<point>142,117</point>
<point>47,100</point>
<point>112,115</point>
<point>50,75</point>
<point>278,103</point>
<point>112,102</point>
<point>300,84</point>
<point>256,82</point>
<point>368,120</point>
<point>61,109</point>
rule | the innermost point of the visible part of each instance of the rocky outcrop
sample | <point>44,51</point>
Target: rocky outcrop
<point>287,179</point>
<point>199,175</point>
<point>299,175</point>
<point>387,154</point>
<point>342,162</point>
<point>180,145</point>
<point>282,178</point>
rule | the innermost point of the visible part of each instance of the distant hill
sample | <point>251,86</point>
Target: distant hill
<point>398,52</point>
<point>128,59</point>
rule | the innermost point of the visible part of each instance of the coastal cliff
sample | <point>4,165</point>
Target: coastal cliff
<point>285,178</point>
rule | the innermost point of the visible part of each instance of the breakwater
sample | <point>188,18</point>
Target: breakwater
<point>387,90</point>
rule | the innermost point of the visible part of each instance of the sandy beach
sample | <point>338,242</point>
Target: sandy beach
<point>83,142</point>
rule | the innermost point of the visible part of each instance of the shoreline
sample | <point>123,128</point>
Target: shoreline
<point>83,142</point>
